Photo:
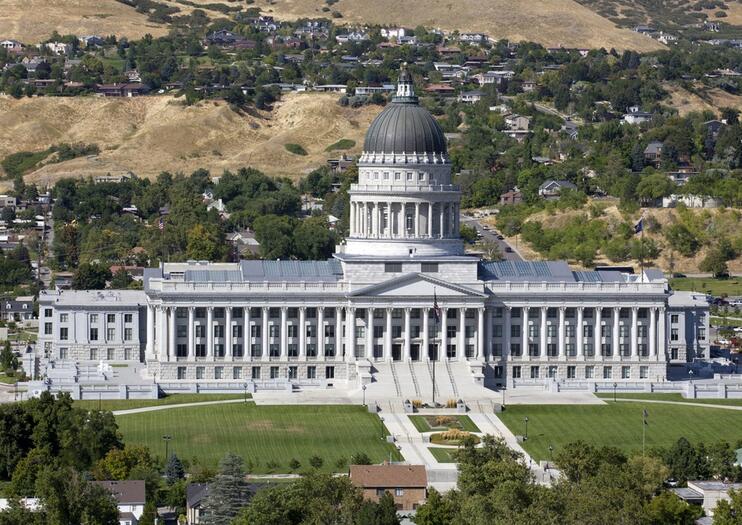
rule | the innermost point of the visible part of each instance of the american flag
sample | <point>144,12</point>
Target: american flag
<point>436,308</point>
<point>645,415</point>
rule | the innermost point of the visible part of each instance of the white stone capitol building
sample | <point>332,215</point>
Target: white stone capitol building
<point>366,315</point>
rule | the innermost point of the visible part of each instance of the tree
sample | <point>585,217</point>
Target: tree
<point>316,462</point>
<point>69,498</point>
<point>203,243</point>
<point>436,510</point>
<point>468,233</point>
<point>654,186</point>
<point>228,493</point>
<point>715,263</point>
<point>275,235</point>
<point>119,463</point>
<point>360,458</point>
<point>682,240</point>
<point>8,360</point>
<point>729,512</point>
<point>149,514</point>
<point>313,240</point>
<point>174,470</point>
<point>121,280</point>
<point>90,276</point>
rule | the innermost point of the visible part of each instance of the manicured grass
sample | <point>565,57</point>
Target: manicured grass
<point>341,144</point>
<point>620,425</point>
<point>678,398</point>
<point>724,321</point>
<point>443,455</point>
<point>732,286</point>
<point>262,434</point>
<point>175,399</point>
<point>427,423</point>
<point>8,380</point>
<point>296,149</point>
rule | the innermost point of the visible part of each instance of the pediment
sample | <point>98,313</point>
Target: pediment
<point>416,285</point>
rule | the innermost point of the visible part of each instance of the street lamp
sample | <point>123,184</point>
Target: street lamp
<point>615,385</point>
<point>690,374</point>
<point>245,386</point>
<point>364,394</point>
<point>551,454</point>
<point>381,420</point>
<point>525,436</point>
<point>166,439</point>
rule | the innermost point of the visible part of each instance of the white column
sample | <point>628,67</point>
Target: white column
<point>171,333</point>
<point>426,334</point>
<point>210,332</point>
<point>246,339</point>
<point>506,333</point>
<point>350,328</point>
<point>542,341</point>
<point>561,332</point>
<point>228,355</point>
<point>597,333</point>
<point>284,332</point>
<point>441,216</point>
<point>353,226</point>
<point>161,315</point>
<point>417,220</point>
<point>150,346</point>
<point>616,327</point>
<point>302,332</point>
<point>430,220</point>
<point>407,328</point>
<point>320,332</point>
<point>461,351</point>
<point>652,331</point>
<point>191,332</point>
<point>265,354</point>
<point>339,333</point>
<point>487,332</point>
<point>389,220</point>
<point>479,352</point>
<point>634,331</point>
<point>388,335</point>
<point>662,336</point>
<point>444,335</point>
<point>580,330</point>
<point>370,333</point>
<point>524,351</point>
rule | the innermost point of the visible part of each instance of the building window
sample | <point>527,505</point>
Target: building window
<point>701,334</point>
<point>237,349</point>
<point>551,330</point>
<point>111,318</point>
<point>200,350</point>
<point>63,353</point>
<point>396,332</point>
<point>93,354</point>
<point>533,330</point>
<point>127,334</point>
<point>48,312</point>
<point>607,372</point>
<point>218,350</point>
<point>589,372</point>
<point>311,372</point>
<point>533,349</point>
<point>641,331</point>
<point>110,334</point>
<point>392,267</point>
<point>497,349</point>
<point>199,372</point>
<point>515,330</point>
<point>516,372</point>
<point>623,350</point>
<point>674,318</point>
<point>93,334</point>
<point>399,492</point>
<point>329,331</point>
<point>273,331</point>
<point>274,350</point>
<point>237,330</point>
<point>256,350</point>
<point>534,372</point>
<point>128,318</point>
<point>63,318</point>
<point>181,372</point>
<point>674,354</point>
<point>570,349</point>
<point>429,267</point>
<point>587,331</point>
<point>605,350</point>
<point>181,350</point>
<point>63,334</point>
<point>515,349</point>
<point>219,331</point>
<point>451,332</point>
<point>255,372</point>
<point>218,372</point>
<point>674,334</point>
<point>255,330</point>
<point>311,350</point>
<point>552,372</point>
<point>571,372</point>
<point>47,329</point>
<point>274,372</point>
<point>237,372</point>
<point>329,372</point>
<point>551,350</point>
<point>623,331</point>
<point>569,330</point>
<point>200,331</point>
<point>93,318</point>
<point>497,330</point>
<point>643,372</point>
<point>293,350</point>
<point>293,372</point>
<point>625,372</point>
<point>330,350</point>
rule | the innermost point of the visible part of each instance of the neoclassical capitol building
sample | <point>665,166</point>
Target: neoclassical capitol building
<point>366,316</point>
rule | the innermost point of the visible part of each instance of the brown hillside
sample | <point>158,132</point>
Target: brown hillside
<point>148,135</point>
<point>710,99</point>
<point>32,21</point>
<point>550,22</point>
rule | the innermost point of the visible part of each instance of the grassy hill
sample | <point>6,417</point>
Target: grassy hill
<point>664,13</point>
<point>148,135</point>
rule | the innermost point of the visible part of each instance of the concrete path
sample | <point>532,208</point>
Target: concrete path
<point>683,403</point>
<point>156,408</point>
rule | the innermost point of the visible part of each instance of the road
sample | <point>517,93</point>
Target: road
<point>490,236</point>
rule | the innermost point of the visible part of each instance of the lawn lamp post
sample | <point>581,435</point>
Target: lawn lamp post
<point>525,436</point>
<point>364,394</point>
<point>245,387</point>
<point>551,455</point>
<point>166,439</point>
<point>381,427</point>
<point>615,385</point>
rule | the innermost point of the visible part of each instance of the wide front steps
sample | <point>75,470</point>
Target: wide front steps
<point>414,380</point>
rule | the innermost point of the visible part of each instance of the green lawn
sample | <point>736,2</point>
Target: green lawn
<point>175,399</point>
<point>663,396</point>
<point>619,425</point>
<point>427,423</point>
<point>263,433</point>
<point>8,380</point>
<point>724,321</point>
<point>443,455</point>
<point>341,144</point>
<point>732,286</point>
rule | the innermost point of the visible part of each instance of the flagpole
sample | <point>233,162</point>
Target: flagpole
<point>641,250</point>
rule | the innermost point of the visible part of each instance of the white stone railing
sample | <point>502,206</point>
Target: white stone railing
<point>412,188</point>
<point>267,287</point>
<point>581,287</point>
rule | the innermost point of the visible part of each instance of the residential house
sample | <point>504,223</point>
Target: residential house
<point>692,201</point>
<point>653,152</point>
<point>470,97</point>
<point>11,46</point>
<point>635,116</point>
<point>353,36</point>
<point>493,77</point>
<point>31,63</point>
<point>451,71</point>
<point>707,494</point>
<point>372,88</point>
<point>714,127</point>
<point>394,32</point>
<point>58,48</point>
<point>331,88</point>
<point>408,484</point>
<point>528,85</point>
<point>645,30</point>
<point>263,23</point>
<point>440,89</point>
<point>550,189</point>
<point>7,201</point>
<point>667,38</point>
<point>513,196</point>
<point>116,177</point>
<point>91,41</point>
<point>130,499</point>
<point>196,493</point>
<point>682,175</point>
<point>341,164</point>
<point>19,309</point>
<point>128,89</point>
<point>63,280</point>
<point>473,38</point>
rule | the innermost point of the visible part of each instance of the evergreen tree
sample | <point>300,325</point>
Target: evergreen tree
<point>228,493</point>
<point>174,469</point>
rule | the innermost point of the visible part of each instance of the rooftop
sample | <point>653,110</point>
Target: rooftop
<point>384,476</point>
<point>109,298</point>
<point>126,492</point>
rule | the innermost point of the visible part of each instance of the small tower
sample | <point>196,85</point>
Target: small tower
<point>405,87</point>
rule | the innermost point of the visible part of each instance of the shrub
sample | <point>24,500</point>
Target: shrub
<point>417,403</point>
<point>451,403</point>
<point>296,149</point>
<point>454,434</point>
<point>271,465</point>
<point>316,462</point>
<point>294,464</point>
<point>341,144</point>
<point>341,463</point>
<point>442,421</point>
<point>360,458</point>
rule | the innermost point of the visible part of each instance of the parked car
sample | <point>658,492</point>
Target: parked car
<point>508,249</point>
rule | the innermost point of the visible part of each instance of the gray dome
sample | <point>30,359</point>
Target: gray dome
<point>405,127</point>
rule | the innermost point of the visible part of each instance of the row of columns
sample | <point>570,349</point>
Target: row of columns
<point>656,332</point>
<point>367,219</point>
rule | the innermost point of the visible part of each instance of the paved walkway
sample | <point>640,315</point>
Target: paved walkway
<point>683,403</point>
<point>155,408</point>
